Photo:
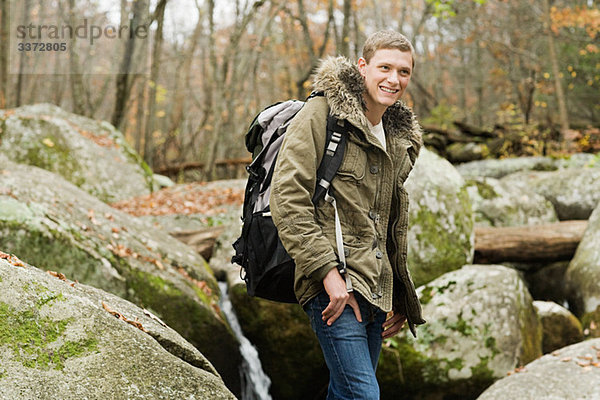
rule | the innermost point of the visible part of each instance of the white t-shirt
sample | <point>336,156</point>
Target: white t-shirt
<point>378,131</point>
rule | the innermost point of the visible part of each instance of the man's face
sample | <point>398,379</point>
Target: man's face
<point>386,77</point>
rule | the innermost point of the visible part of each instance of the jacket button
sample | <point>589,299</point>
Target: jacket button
<point>374,169</point>
<point>379,255</point>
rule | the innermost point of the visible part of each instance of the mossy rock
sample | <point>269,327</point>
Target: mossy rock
<point>574,192</point>
<point>583,275</point>
<point>481,324</point>
<point>91,154</point>
<point>287,346</point>
<point>440,236</point>
<point>49,222</point>
<point>499,204</point>
<point>60,340</point>
<point>560,327</point>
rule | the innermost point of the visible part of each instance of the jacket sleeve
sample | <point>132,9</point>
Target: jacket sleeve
<point>292,188</point>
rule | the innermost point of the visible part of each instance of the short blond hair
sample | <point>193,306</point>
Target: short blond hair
<point>387,39</point>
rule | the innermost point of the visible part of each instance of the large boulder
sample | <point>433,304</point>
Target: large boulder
<point>561,328</point>
<point>571,373</point>
<point>498,168</point>
<point>583,275</point>
<point>61,340</point>
<point>481,323</point>
<point>54,225</point>
<point>440,236</point>
<point>497,204</point>
<point>91,154</point>
<point>574,192</point>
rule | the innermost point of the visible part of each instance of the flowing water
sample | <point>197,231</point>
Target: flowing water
<point>255,383</point>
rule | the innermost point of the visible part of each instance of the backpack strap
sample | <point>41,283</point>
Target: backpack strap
<point>335,146</point>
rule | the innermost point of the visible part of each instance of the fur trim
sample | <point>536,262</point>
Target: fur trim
<point>343,86</point>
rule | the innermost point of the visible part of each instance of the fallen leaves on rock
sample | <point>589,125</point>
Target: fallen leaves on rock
<point>12,259</point>
<point>193,198</point>
<point>122,318</point>
<point>62,277</point>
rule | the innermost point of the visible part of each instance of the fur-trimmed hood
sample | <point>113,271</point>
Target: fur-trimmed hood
<point>343,86</point>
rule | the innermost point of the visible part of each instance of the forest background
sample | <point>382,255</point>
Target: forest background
<point>184,93</point>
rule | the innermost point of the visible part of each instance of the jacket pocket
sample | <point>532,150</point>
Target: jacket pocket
<point>354,164</point>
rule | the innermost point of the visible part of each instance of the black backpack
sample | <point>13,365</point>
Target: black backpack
<point>267,268</point>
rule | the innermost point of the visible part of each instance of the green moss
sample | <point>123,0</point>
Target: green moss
<point>56,251</point>
<point>484,189</point>
<point>426,295</point>
<point>48,150</point>
<point>461,326</point>
<point>33,339</point>
<point>591,323</point>
<point>482,373</point>
<point>452,247</point>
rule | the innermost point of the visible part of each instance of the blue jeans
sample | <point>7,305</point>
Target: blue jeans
<point>351,348</point>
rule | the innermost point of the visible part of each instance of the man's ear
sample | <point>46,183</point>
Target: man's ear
<point>362,65</point>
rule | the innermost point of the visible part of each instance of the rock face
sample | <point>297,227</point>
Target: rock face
<point>480,324</point>
<point>498,204</point>
<point>499,168</point>
<point>570,373</point>
<point>583,275</point>
<point>61,340</point>
<point>561,328</point>
<point>54,225</point>
<point>440,236</point>
<point>574,192</point>
<point>92,155</point>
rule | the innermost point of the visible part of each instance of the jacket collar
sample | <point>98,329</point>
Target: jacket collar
<point>343,86</point>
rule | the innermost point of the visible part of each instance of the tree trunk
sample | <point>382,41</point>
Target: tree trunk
<point>344,49</point>
<point>560,94</point>
<point>154,71</point>
<point>550,242</point>
<point>124,80</point>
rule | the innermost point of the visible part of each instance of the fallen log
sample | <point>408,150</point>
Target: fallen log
<point>549,242</point>
<point>201,240</point>
<point>174,169</point>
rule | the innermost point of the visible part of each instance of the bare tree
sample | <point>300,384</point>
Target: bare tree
<point>125,79</point>
<point>159,17</point>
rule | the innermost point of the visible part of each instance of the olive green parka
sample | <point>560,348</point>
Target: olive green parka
<point>368,188</point>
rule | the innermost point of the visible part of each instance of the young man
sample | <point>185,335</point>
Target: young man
<point>350,320</point>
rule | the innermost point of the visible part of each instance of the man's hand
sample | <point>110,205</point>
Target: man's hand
<point>335,286</point>
<point>393,325</point>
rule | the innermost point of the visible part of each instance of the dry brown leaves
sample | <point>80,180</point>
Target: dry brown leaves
<point>122,318</point>
<point>12,259</point>
<point>62,277</point>
<point>586,361</point>
<point>191,199</point>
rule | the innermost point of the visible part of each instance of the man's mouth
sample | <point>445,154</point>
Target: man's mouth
<point>388,90</point>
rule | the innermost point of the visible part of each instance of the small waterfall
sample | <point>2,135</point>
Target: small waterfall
<point>255,383</point>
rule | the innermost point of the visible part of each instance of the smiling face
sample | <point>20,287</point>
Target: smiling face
<point>386,75</point>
